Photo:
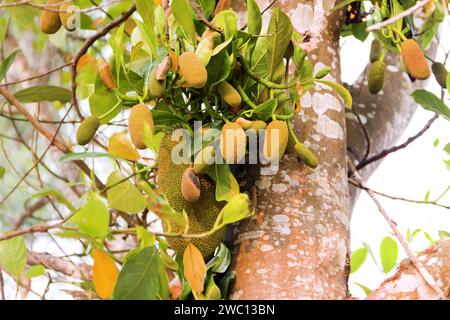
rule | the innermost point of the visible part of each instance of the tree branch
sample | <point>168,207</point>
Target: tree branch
<point>80,271</point>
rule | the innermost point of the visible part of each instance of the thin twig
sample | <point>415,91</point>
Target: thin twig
<point>40,75</point>
<point>201,17</point>
<point>366,134</point>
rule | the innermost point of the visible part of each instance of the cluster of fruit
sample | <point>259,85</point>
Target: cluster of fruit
<point>56,16</point>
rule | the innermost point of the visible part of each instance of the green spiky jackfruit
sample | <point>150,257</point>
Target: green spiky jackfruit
<point>376,50</point>
<point>306,155</point>
<point>202,213</point>
<point>87,130</point>
<point>376,77</point>
<point>440,73</point>
<point>155,87</point>
<point>50,21</point>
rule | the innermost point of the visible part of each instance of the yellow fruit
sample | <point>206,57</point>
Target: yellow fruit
<point>376,77</point>
<point>233,141</point>
<point>50,21</point>
<point>140,115</point>
<point>192,71</point>
<point>275,140</point>
<point>155,87</point>
<point>376,50</point>
<point>120,146</point>
<point>306,155</point>
<point>202,214</point>
<point>229,94</point>
<point>258,125</point>
<point>204,159</point>
<point>440,73</point>
<point>414,60</point>
<point>87,129</point>
<point>190,185</point>
<point>244,123</point>
<point>67,16</point>
<point>106,75</point>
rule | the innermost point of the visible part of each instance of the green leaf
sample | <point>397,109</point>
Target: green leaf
<point>166,118</point>
<point>357,259</point>
<point>254,17</point>
<point>2,172</point>
<point>322,72</point>
<point>430,102</point>
<point>221,260</point>
<point>265,110</point>
<point>118,49</point>
<point>427,196</point>
<point>388,254</point>
<point>142,277</point>
<point>57,195</point>
<point>145,238</point>
<point>84,155</point>
<point>6,64</point>
<point>182,13</point>
<point>280,32</point>
<point>366,290</point>
<point>236,209</point>
<point>146,10</point>
<point>227,21</point>
<point>149,37</point>
<point>93,217</point>
<point>44,93</point>
<point>428,30</point>
<point>35,271</point>
<point>123,195</point>
<point>447,148</point>
<point>152,141</point>
<point>212,291</point>
<point>226,184</point>
<point>340,90</point>
<point>13,256</point>
<point>219,69</point>
<point>102,102</point>
<point>443,234</point>
<point>343,4</point>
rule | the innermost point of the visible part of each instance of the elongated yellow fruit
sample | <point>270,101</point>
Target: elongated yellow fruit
<point>233,141</point>
<point>229,94</point>
<point>140,116</point>
<point>50,21</point>
<point>87,129</point>
<point>376,77</point>
<point>414,60</point>
<point>275,140</point>
<point>192,70</point>
<point>106,75</point>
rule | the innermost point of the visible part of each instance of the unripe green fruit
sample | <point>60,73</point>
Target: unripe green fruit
<point>190,185</point>
<point>275,140</point>
<point>229,94</point>
<point>440,73</point>
<point>66,15</point>
<point>376,77</point>
<point>140,115</point>
<point>192,70</point>
<point>155,87</point>
<point>50,21</point>
<point>414,60</point>
<point>204,159</point>
<point>87,129</point>
<point>376,50</point>
<point>306,155</point>
<point>233,142</point>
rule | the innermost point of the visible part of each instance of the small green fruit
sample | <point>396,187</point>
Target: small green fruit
<point>306,155</point>
<point>87,129</point>
<point>376,77</point>
<point>440,73</point>
<point>376,50</point>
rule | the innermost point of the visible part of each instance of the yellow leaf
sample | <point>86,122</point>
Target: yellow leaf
<point>194,268</point>
<point>120,146</point>
<point>105,274</point>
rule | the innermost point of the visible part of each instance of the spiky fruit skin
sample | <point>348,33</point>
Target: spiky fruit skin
<point>233,142</point>
<point>414,60</point>
<point>105,73</point>
<point>376,50</point>
<point>376,76</point>
<point>87,129</point>
<point>50,21</point>
<point>306,155</point>
<point>192,70</point>
<point>120,146</point>
<point>155,87</point>
<point>440,73</point>
<point>229,94</point>
<point>190,185</point>
<point>66,18</point>
<point>275,149</point>
<point>140,115</point>
<point>202,214</point>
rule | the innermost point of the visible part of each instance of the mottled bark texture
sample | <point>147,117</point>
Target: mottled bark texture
<point>407,284</point>
<point>297,244</point>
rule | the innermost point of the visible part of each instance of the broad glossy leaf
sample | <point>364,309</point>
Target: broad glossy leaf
<point>236,209</point>
<point>181,10</point>
<point>388,254</point>
<point>430,102</point>
<point>219,69</point>
<point>123,195</point>
<point>254,17</point>
<point>221,260</point>
<point>357,259</point>
<point>43,93</point>
<point>120,146</point>
<point>149,37</point>
<point>2,172</point>
<point>279,36</point>
<point>212,291</point>
<point>227,21</point>
<point>85,155</point>
<point>93,217</point>
<point>104,274</point>
<point>13,256</point>
<point>6,64</point>
<point>194,268</point>
<point>35,271</point>
<point>146,10</point>
<point>102,102</point>
<point>226,185</point>
<point>265,110</point>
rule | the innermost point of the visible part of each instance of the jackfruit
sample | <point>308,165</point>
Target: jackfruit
<point>376,77</point>
<point>87,129</point>
<point>202,214</point>
<point>229,94</point>
<point>274,149</point>
<point>204,159</point>
<point>192,71</point>
<point>233,141</point>
<point>306,155</point>
<point>244,123</point>
<point>139,116</point>
<point>414,60</point>
<point>120,146</point>
<point>67,16</point>
<point>106,75</point>
<point>50,21</point>
<point>190,185</point>
<point>440,73</point>
<point>376,50</point>
<point>258,125</point>
<point>155,87</point>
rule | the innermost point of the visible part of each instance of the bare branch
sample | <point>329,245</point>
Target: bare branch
<point>40,75</point>
<point>81,271</point>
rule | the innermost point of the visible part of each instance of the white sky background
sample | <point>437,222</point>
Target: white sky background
<point>408,173</point>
